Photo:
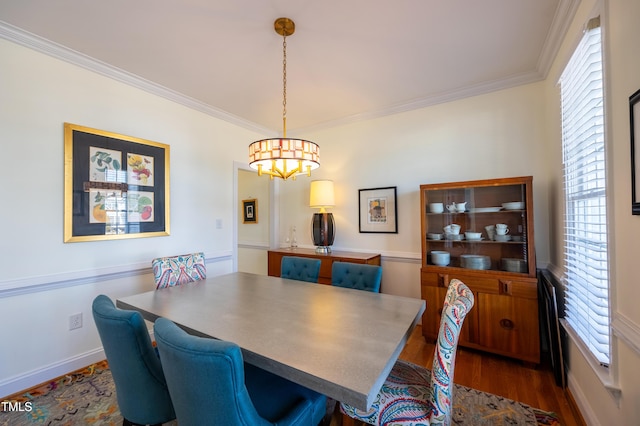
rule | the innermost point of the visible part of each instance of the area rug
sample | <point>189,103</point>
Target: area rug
<point>87,397</point>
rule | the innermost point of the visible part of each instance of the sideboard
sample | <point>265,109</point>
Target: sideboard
<point>275,260</point>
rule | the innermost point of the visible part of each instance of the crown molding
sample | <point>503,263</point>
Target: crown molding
<point>58,51</point>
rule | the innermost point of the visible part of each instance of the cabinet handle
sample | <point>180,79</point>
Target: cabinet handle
<point>507,324</point>
<point>505,287</point>
<point>442,280</point>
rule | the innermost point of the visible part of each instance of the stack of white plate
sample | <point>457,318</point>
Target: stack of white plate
<point>475,261</point>
<point>513,265</point>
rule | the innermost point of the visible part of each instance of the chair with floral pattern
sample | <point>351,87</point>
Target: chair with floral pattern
<point>176,270</point>
<point>413,395</point>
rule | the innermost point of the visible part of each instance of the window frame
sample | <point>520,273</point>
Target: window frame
<point>608,376</point>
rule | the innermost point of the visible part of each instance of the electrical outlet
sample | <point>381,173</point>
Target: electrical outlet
<point>75,321</point>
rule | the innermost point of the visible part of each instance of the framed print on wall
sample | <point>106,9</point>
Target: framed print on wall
<point>378,210</point>
<point>634,115</point>
<point>115,186</point>
<point>250,211</point>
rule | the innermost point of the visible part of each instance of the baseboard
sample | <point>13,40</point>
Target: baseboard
<point>574,408</point>
<point>579,403</point>
<point>16,384</point>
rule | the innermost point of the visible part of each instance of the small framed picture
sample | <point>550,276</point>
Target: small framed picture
<point>250,211</point>
<point>378,210</point>
<point>634,112</point>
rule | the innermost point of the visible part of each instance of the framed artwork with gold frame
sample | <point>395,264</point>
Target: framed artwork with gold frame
<point>250,211</point>
<point>115,186</point>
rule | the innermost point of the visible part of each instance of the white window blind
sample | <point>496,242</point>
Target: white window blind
<point>586,278</point>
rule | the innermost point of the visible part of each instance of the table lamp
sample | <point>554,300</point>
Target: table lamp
<point>322,224</point>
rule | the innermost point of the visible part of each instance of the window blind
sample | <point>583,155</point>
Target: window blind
<point>586,274</point>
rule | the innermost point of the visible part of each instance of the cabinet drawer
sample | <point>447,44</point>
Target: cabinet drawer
<point>515,288</point>
<point>484,284</point>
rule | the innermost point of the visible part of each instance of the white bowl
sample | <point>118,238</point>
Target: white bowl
<point>434,236</point>
<point>440,258</point>
<point>473,235</point>
<point>514,205</point>
<point>436,207</point>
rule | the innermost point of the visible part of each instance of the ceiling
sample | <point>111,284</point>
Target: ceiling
<point>348,60</point>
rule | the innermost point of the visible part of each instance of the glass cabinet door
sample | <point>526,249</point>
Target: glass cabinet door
<point>478,226</point>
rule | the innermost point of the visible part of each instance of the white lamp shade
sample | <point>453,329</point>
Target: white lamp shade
<point>321,194</point>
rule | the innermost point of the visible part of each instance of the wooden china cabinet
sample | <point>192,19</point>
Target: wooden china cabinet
<point>499,269</point>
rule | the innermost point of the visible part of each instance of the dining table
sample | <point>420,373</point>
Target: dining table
<point>340,342</point>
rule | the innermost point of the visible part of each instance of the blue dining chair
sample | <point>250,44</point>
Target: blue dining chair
<point>141,389</point>
<point>211,385</point>
<point>360,276</point>
<point>412,394</point>
<point>300,268</point>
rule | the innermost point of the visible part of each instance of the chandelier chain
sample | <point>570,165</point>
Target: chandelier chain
<point>284,76</point>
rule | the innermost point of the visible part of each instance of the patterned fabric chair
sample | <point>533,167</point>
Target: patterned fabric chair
<point>413,395</point>
<point>141,389</point>
<point>300,268</point>
<point>210,385</point>
<point>356,275</point>
<point>176,270</point>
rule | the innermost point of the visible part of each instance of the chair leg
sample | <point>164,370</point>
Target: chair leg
<point>349,421</point>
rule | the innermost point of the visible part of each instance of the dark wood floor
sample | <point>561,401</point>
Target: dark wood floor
<point>501,376</point>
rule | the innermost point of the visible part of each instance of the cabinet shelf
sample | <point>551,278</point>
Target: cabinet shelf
<point>505,283</point>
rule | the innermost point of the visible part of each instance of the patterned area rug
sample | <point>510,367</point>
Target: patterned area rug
<point>87,397</point>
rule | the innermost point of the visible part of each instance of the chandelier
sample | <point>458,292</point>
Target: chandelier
<point>284,157</point>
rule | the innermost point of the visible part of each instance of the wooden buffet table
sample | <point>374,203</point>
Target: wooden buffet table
<point>275,260</point>
<point>337,341</point>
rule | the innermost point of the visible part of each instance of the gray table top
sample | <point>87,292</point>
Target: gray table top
<point>339,342</point>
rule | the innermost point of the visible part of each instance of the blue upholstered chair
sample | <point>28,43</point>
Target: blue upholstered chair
<point>300,268</point>
<point>412,394</point>
<point>210,385</point>
<point>170,271</point>
<point>356,275</point>
<point>141,389</point>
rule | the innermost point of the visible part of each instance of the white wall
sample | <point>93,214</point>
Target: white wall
<point>40,93</point>
<point>622,73</point>
<point>475,138</point>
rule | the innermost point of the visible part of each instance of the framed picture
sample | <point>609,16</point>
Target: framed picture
<point>378,210</point>
<point>115,186</point>
<point>250,211</point>
<point>634,112</point>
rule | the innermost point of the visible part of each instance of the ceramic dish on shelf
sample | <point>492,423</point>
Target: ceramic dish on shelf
<point>473,236</point>
<point>433,236</point>
<point>454,237</point>
<point>485,209</point>
<point>475,261</point>
<point>502,238</point>
<point>440,258</point>
<point>513,265</point>
<point>513,205</point>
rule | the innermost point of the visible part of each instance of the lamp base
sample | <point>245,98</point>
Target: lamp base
<point>323,231</point>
